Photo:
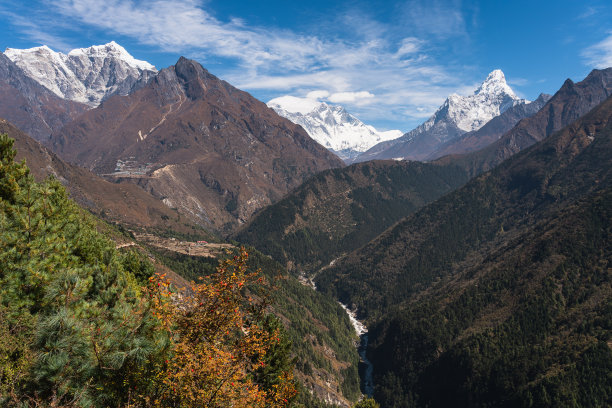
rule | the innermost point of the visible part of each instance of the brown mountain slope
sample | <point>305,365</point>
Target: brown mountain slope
<point>122,203</point>
<point>29,105</point>
<point>205,147</point>
<point>569,103</point>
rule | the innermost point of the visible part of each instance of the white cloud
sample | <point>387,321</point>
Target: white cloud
<point>600,54</point>
<point>408,46</point>
<point>343,97</point>
<point>295,104</point>
<point>182,25</point>
<point>320,94</point>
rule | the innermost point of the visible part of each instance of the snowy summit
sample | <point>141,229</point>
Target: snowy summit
<point>86,75</point>
<point>457,116</point>
<point>330,125</point>
<point>492,98</point>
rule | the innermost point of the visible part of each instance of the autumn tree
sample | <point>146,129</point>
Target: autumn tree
<point>223,342</point>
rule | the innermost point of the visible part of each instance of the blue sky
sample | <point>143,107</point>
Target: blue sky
<point>391,63</point>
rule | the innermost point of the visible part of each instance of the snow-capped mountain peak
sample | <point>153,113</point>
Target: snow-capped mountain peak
<point>112,49</point>
<point>495,83</point>
<point>86,75</point>
<point>456,116</point>
<point>331,125</point>
<point>490,99</point>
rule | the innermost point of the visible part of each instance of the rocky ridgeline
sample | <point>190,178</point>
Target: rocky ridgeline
<point>85,75</point>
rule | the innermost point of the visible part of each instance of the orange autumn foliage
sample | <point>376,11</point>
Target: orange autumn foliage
<point>218,342</point>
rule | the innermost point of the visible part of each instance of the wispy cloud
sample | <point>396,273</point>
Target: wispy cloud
<point>587,13</point>
<point>377,72</point>
<point>600,54</point>
<point>439,18</point>
<point>31,29</point>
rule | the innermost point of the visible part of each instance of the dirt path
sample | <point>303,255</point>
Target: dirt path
<point>164,116</point>
<point>124,245</point>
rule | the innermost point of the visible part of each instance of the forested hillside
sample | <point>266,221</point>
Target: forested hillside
<point>85,325</point>
<point>499,293</point>
<point>339,210</point>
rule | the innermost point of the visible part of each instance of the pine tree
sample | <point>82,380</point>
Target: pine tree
<point>89,328</point>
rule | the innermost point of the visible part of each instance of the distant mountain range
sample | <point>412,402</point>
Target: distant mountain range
<point>457,116</point>
<point>331,125</point>
<point>569,103</point>
<point>84,75</point>
<point>338,211</point>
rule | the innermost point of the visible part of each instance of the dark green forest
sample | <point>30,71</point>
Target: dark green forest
<point>339,210</point>
<point>498,294</point>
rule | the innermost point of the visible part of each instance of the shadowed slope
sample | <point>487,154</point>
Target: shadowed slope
<point>499,293</point>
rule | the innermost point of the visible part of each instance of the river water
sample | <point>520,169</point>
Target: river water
<point>366,368</point>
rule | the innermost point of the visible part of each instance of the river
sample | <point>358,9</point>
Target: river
<point>366,368</point>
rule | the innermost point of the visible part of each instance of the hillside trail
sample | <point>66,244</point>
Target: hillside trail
<point>180,102</point>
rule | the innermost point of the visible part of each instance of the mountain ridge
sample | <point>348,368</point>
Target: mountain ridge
<point>491,131</point>
<point>569,103</point>
<point>193,140</point>
<point>85,75</point>
<point>456,116</point>
<point>339,210</point>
